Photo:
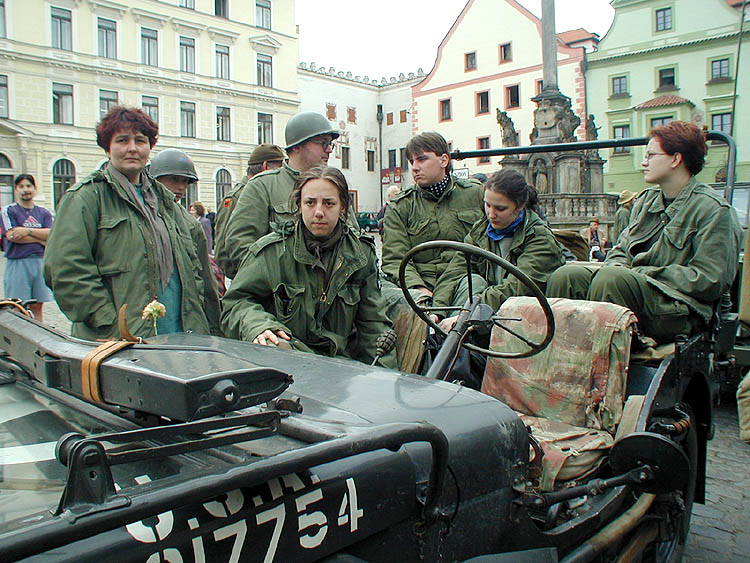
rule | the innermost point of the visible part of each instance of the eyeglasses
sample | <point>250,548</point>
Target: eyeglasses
<point>325,143</point>
<point>650,155</point>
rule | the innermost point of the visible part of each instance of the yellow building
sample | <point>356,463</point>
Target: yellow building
<point>219,76</point>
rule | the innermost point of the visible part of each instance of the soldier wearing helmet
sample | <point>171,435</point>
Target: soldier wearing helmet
<point>175,170</point>
<point>309,142</point>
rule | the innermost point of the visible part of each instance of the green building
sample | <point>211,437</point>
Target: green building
<point>671,59</point>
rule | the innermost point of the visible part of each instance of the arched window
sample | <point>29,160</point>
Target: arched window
<point>63,177</point>
<point>223,185</point>
<point>4,161</point>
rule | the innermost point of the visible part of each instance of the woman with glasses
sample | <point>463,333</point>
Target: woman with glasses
<point>311,285</point>
<point>677,256</point>
<point>119,238</point>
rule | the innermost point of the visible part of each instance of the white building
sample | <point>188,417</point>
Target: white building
<point>374,119</point>
<point>491,60</point>
<point>219,76</point>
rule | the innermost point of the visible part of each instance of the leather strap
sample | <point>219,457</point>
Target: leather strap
<point>90,367</point>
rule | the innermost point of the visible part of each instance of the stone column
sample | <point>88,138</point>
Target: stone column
<point>549,45</point>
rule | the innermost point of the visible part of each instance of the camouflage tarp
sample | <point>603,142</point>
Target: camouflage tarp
<point>570,452</point>
<point>743,407</point>
<point>580,378</point>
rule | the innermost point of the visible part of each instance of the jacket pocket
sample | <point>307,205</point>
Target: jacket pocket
<point>288,302</point>
<point>345,308</point>
<point>420,231</point>
<point>679,237</point>
<point>281,213</point>
<point>468,218</point>
<point>115,246</point>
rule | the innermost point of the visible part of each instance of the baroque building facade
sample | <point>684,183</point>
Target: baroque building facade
<point>481,80</point>
<point>219,77</point>
<point>663,60</point>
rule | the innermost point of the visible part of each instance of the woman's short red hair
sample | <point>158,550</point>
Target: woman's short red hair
<point>685,138</point>
<point>121,118</point>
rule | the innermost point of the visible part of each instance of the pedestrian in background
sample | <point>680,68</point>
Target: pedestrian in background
<point>25,228</point>
<point>622,216</point>
<point>198,210</point>
<point>119,238</point>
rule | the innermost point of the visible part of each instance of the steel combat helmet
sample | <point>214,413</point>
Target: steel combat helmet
<point>173,162</point>
<point>307,125</point>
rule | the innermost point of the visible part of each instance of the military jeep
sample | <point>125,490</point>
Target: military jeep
<point>198,448</point>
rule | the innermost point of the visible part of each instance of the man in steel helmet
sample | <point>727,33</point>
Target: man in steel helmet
<point>309,142</point>
<point>175,170</point>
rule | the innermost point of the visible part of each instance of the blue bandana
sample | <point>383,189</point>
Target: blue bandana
<point>500,234</point>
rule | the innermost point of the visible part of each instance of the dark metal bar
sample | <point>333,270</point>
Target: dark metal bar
<point>607,144</point>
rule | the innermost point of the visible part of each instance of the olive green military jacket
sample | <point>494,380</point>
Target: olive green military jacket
<point>622,218</point>
<point>262,201</point>
<point>694,256</point>
<point>100,255</point>
<point>212,305</point>
<point>533,248</point>
<point>276,288</point>
<point>414,217</point>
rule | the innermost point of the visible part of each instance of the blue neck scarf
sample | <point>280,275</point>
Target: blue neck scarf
<point>500,234</point>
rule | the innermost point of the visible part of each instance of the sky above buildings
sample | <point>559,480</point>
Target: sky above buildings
<point>386,37</point>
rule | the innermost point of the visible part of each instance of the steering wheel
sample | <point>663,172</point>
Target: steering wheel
<point>468,250</point>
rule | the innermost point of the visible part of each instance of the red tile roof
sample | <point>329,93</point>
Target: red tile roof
<point>575,35</point>
<point>665,100</point>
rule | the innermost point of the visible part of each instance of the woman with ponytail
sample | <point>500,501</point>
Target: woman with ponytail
<point>513,229</point>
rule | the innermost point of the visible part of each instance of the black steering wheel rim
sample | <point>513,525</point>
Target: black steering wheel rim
<point>466,250</point>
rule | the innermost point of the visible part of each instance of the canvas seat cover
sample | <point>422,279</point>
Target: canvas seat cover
<point>572,393</point>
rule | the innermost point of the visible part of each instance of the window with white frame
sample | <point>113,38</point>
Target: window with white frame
<point>722,122</point>
<point>265,128</point>
<point>223,185</point>
<point>664,19</point>
<point>187,119</point>
<point>223,126</point>
<point>619,85</point>
<point>107,32</point>
<point>621,132</point>
<point>62,30</point>
<point>263,14</point>
<point>187,54</point>
<point>149,47</point>
<point>63,178</point>
<point>345,158</point>
<point>2,18</point>
<point>107,100</point>
<point>150,106</point>
<point>222,62</point>
<point>221,9</point>
<point>720,69</point>
<point>659,121</point>
<point>4,99</point>
<point>265,70</point>
<point>62,104</point>
<point>187,4</point>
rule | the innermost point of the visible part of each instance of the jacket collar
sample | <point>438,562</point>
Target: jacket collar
<point>479,231</point>
<point>347,247</point>
<point>657,206</point>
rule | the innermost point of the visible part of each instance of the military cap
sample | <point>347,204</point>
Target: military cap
<point>264,153</point>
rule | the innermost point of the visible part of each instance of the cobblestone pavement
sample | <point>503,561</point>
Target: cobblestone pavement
<point>719,530</point>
